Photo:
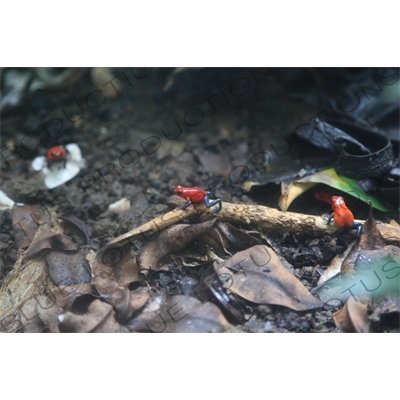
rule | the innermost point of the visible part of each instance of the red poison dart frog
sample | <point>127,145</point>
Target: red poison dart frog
<point>343,218</point>
<point>194,195</point>
<point>56,154</point>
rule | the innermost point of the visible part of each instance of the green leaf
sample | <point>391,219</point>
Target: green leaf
<point>331,178</point>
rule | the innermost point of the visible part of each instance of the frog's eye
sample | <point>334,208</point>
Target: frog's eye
<point>179,192</point>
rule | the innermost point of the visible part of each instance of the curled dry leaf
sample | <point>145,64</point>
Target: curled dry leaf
<point>100,317</point>
<point>334,267</point>
<point>353,317</point>
<point>112,272</point>
<point>170,240</point>
<point>216,241</point>
<point>74,224</point>
<point>113,268</point>
<point>240,239</point>
<point>257,275</point>
<point>46,240</point>
<point>64,296</point>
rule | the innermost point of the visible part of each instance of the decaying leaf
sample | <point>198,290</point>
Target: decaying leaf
<point>335,266</point>
<point>239,238</point>
<point>215,241</point>
<point>183,314</point>
<point>353,317</point>
<point>112,272</point>
<point>64,296</point>
<point>74,224</point>
<point>25,221</point>
<point>100,317</point>
<point>170,240</point>
<point>113,268</point>
<point>40,314</point>
<point>257,275</point>
<point>46,241</point>
<point>68,269</point>
<point>371,239</point>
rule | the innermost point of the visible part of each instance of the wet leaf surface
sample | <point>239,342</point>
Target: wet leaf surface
<point>257,275</point>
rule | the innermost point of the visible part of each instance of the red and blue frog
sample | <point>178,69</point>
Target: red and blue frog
<point>342,216</point>
<point>195,195</point>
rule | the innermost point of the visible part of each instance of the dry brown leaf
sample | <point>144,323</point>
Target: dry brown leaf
<point>170,240</point>
<point>68,269</point>
<point>74,224</point>
<point>40,314</point>
<point>100,317</point>
<point>240,239</point>
<point>49,241</point>
<point>257,275</point>
<point>183,314</point>
<point>371,239</point>
<point>25,223</point>
<point>352,317</point>
<point>112,272</point>
<point>64,296</point>
<point>216,241</point>
<point>113,268</point>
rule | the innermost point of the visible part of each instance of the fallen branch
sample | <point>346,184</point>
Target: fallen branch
<point>255,216</point>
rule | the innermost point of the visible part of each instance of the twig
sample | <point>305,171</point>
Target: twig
<point>263,218</point>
